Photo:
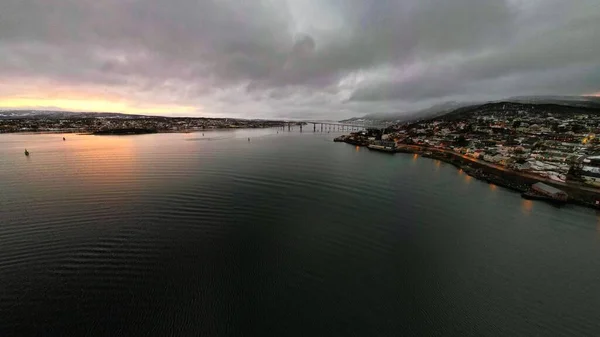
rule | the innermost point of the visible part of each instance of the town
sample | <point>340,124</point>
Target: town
<point>546,143</point>
<point>123,124</point>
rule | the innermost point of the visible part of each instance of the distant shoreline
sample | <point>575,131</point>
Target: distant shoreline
<point>115,132</point>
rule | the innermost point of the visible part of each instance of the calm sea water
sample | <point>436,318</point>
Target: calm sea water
<point>289,234</point>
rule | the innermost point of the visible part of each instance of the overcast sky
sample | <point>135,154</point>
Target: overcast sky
<point>307,59</point>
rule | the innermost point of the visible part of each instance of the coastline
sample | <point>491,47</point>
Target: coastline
<point>516,181</point>
<point>115,132</point>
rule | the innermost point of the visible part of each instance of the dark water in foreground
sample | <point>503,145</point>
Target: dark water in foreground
<point>290,234</point>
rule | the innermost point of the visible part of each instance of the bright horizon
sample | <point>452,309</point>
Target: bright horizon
<point>89,105</point>
<point>95,105</point>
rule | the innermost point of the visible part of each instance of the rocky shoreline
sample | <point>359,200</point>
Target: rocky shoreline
<point>511,180</point>
<point>503,178</point>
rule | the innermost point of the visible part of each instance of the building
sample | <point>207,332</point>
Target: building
<point>590,170</point>
<point>386,146</point>
<point>549,191</point>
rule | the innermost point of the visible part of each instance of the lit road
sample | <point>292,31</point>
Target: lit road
<point>504,169</point>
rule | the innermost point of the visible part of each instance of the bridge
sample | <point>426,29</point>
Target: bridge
<point>332,126</point>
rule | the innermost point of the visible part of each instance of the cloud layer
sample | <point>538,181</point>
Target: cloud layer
<point>292,58</point>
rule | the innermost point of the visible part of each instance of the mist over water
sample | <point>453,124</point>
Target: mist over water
<point>288,234</point>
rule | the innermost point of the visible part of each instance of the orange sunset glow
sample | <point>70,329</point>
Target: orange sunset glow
<point>82,101</point>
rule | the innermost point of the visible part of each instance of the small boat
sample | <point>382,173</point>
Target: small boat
<point>26,152</point>
<point>248,139</point>
<point>64,139</point>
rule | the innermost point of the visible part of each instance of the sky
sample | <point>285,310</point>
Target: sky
<point>291,59</point>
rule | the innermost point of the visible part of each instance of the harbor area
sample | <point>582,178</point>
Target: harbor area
<point>530,186</point>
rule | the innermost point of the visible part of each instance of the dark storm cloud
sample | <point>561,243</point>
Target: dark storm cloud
<point>534,61</point>
<point>188,39</point>
<point>305,57</point>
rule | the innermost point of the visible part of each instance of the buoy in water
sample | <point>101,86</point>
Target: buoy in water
<point>26,152</point>
<point>64,139</point>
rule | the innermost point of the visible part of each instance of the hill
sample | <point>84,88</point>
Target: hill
<point>45,114</point>
<point>553,104</point>
<point>399,117</point>
<point>559,109</point>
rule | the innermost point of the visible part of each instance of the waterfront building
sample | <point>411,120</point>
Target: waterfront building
<point>550,191</point>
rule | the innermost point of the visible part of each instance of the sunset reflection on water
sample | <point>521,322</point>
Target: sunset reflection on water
<point>103,159</point>
<point>107,162</point>
<point>526,206</point>
<point>80,165</point>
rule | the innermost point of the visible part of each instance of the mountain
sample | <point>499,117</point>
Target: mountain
<point>45,114</point>
<point>398,117</point>
<point>573,101</point>
<point>555,104</point>
<point>558,108</point>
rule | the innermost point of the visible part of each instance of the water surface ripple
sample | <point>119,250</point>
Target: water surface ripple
<point>289,234</point>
